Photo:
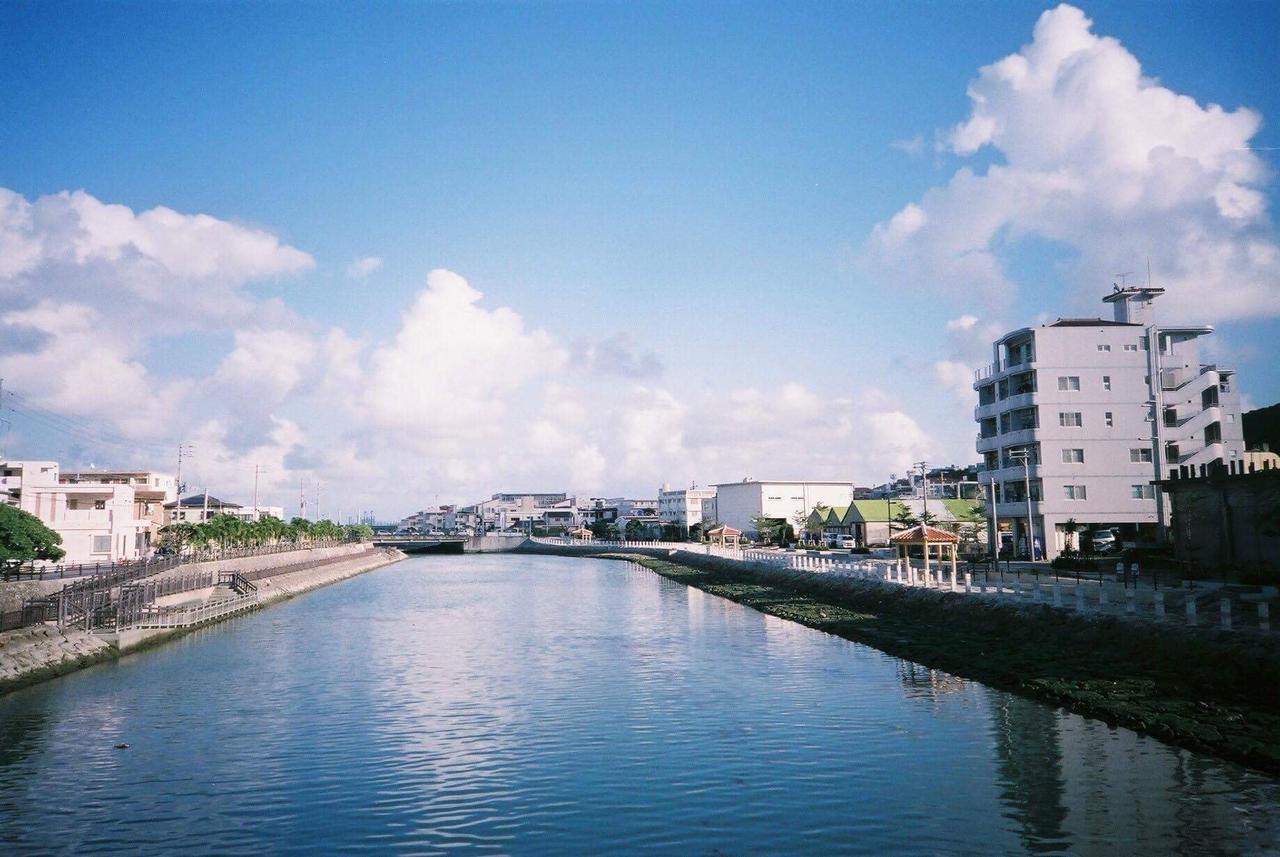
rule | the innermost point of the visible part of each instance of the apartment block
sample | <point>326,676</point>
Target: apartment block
<point>1100,409</point>
<point>682,506</point>
<point>738,503</point>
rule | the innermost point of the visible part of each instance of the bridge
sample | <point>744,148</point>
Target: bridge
<point>422,544</point>
<point>488,543</point>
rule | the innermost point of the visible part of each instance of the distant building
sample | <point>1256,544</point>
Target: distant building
<point>682,506</point>
<point>1100,408</point>
<point>199,508</point>
<point>738,504</point>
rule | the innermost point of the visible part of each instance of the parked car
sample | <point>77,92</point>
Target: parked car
<point>846,542</point>
<point>1104,541</point>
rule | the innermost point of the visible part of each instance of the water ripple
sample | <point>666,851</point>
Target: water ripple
<point>515,705</point>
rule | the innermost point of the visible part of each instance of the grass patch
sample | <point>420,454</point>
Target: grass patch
<point>1210,692</point>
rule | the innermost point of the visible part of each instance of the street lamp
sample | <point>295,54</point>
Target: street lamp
<point>1023,456</point>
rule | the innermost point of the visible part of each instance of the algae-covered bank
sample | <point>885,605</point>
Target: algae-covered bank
<point>1207,691</point>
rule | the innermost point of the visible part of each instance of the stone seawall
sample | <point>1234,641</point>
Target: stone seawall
<point>40,652</point>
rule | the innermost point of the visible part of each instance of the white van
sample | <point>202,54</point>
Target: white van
<point>1104,541</point>
<point>846,542</point>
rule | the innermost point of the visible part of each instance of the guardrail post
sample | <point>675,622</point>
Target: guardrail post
<point>1225,610</point>
<point>1264,616</point>
<point>968,582</point>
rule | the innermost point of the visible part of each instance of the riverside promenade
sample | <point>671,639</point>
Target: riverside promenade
<point>1199,606</point>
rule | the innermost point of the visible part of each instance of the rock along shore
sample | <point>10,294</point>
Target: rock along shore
<point>1210,691</point>
<point>40,652</point>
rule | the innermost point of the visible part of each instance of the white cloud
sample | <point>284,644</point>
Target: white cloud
<point>1105,161</point>
<point>362,268</point>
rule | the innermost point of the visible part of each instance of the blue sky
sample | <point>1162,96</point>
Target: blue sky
<point>701,179</point>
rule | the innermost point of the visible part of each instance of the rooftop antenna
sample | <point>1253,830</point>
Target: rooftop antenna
<point>1148,272</point>
<point>1123,275</point>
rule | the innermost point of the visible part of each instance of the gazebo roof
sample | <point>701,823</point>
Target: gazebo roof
<point>923,534</point>
<point>581,531</point>
<point>724,530</point>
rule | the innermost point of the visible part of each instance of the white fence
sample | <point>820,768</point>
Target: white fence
<point>182,617</point>
<point>1086,597</point>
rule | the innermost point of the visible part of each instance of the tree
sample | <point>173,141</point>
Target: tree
<point>635,530</point>
<point>176,536</point>
<point>905,519</point>
<point>770,529</point>
<point>603,530</point>
<point>24,538</point>
<point>361,532</point>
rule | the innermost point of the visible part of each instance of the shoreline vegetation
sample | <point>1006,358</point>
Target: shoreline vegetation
<point>1208,691</point>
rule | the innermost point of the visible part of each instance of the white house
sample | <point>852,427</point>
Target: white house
<point>737,503</point>
<point>102,516</point>
<point>1101,408</point>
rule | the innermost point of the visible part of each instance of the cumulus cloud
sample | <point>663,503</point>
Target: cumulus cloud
<point>362,268</point>
<point>617,355</point>
<point>155,267</point>
<point>1102,159</point>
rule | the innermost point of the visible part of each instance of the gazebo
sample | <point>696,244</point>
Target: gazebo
<point>725,536</point>
<point>926,537</point>
<point>581,534</point>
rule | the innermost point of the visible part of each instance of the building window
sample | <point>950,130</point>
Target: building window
<point>1142,492</point>
<point>1104,347</point>
<point>1073,492</point>
<point>1070,419</point>
<point>1073,456</point>
<point>1106,382</point>
<point>1131,347</point>
<point>1068,382</point>
<point>1110,421</point>
<point>102,544</point>
<point>1140,456</point>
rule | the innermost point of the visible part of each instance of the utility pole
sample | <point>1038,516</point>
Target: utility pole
<point>924,489</point>
<point>185,450</point>
<point>3,422</point>
<point>302,498</point>
<point>317,500</point>
<point>995,523</point>
<point>1024,455</point>
<point>257,469</point>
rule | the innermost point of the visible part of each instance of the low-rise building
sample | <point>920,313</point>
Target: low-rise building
<point>683,506</point>
<point>739,504</point>
<point>199,508</point>
<point>102,516</point>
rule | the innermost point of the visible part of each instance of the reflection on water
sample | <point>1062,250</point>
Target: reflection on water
<point>505,704</point>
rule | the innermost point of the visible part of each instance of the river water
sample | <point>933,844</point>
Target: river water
<point>545,705</point>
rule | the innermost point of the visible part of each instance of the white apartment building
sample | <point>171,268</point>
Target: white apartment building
<point>737,503</point>
<point>1100,408</point>
<point>199,508</point>
<point>102,516</point>
<point>682,506</point>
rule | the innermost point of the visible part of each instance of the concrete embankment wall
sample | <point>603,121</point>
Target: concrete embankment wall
<point>493,544</point>
<point>29,655</point>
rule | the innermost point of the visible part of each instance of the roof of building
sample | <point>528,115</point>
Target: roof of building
<point>964,510</point>
<point>920,533</point>
<point>198,500</point>
<point>724,530</point>
<point>1092,322</point>
<point>874,511</point>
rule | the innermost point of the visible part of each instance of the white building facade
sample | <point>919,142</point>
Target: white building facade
<point>683,506</point>
<point>1100,408</point>
<point>737,503</point>
<point>102,516</point>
